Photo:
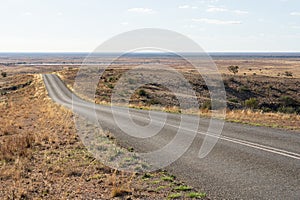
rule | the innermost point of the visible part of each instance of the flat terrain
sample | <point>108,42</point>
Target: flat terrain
<point>38,140</point>
<point>42,157</point>
<point>247,162</point>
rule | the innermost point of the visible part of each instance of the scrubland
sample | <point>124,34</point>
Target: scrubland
<point>41,156</point>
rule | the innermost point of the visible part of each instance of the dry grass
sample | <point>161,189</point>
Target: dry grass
<point>259,118</point>
<point>41,157</point>
<point>119,187</point>
<point>281,87</point>
<point>16,146</point>
<point>262,66</point>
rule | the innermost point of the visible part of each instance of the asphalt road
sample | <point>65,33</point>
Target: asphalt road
<point>247,162</point>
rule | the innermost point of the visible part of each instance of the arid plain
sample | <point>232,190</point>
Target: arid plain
<point>38,141</point>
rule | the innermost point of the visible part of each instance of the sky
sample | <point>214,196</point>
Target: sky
<point>216,25</point>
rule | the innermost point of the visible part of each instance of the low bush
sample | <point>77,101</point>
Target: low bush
<point>142,93</point>
<point>251,103</point>
<point>3,74</point>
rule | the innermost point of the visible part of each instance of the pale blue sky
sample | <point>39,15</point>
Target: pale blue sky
<point>217,25</point>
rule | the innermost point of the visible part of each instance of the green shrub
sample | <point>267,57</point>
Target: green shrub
<point>182,188</point>
<point>233,100</point>
<point>168,178</point>
<point>288,73</point>
<point>174,196</point>
<point>251,103</point>
<point>4,74</point>
<point>206,105</point>
<point>142,93</point>
<point>110,85</point>
<point>244,89</point>
<point>289,110</point>
<point>214,104</point>
<point>233,69</point>
<point>287,101</point>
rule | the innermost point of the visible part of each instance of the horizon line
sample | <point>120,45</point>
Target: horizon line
<point>87,52</point>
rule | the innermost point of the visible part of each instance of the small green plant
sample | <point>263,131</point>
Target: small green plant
<point>155,182</point>
<point>146,176</point>
<point>206,105</point>
<point>168,178</point>
<point>4,74</point>
<point>182,188</point>
<point>288,110</point>
<point>142,93</point>
<point>288,101</point>
<point>196,195</point>
<point>96,176</point>
<point>111,79</point>
<point>110,85</point>
<point>251,103</point>
<point>160,188</point>
<point>288,73</point>
<point>244,89</point>
<point>233,69</point>
<point>130,149</point>
<point>213,105</point>
<point>233,100</point>
<point>174,196</point>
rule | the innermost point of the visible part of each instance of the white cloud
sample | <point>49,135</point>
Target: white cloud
<point>240,12</point>
<point>208,1</point>
<point>187,7</point>
<point>295,13</point>
<point>216,9</point>
<point>141,10</point>
<point>222,9</point>
<point>215,21</point>
<point>184,6</point>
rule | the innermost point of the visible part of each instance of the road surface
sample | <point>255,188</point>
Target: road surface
<point>247,162</point>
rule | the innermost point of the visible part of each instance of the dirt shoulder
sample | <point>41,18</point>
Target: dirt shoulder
<point>41,157</point>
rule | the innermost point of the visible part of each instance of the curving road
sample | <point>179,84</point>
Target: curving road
<point>247,162</point>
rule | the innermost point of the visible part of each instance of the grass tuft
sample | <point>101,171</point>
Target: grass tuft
<point>196,195</point>
<point>182,188</point>
<point>174,196</point>
<point>119,192</point>
<point>168,178</point>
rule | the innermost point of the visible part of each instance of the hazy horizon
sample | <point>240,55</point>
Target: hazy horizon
<point>216,25</point>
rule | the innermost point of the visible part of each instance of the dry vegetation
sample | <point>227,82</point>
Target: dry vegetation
<point>271,67</point>
<point>41,156</point>
<point>254,99</point>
